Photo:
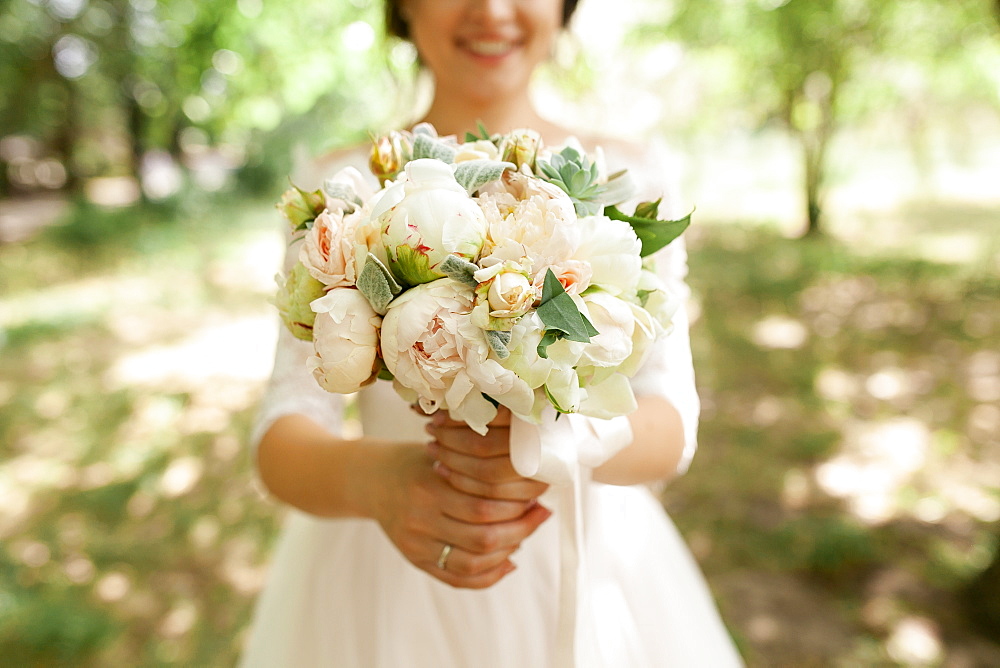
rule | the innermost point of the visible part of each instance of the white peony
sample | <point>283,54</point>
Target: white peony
<point>611,249</point>
<point>433,349</point>
<point>538,232</point>
<point>658,300</point>
<point>345,337</point>
<point>614,320</point>
<point>425,216</point>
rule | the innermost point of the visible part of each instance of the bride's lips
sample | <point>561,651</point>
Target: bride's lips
<point>490,50</point>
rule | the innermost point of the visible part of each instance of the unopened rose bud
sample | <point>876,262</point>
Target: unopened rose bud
<point>521,147</point>
<point>389,154</point>
<point>300,207</point>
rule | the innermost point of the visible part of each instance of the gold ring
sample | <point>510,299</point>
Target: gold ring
<point>443,559</point>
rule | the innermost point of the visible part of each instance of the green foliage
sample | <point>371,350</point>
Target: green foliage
<point>814,67</point>
<point>176,75</point>
<point>561,316</point>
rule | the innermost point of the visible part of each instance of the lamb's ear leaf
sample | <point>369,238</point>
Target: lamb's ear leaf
<point>377,284</point>
<point>425,146</point>
<point>474,174</point>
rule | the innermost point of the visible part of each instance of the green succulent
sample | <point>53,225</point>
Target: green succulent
<point>577,177</point>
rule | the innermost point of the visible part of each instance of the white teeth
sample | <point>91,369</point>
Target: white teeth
<point>490,48</point>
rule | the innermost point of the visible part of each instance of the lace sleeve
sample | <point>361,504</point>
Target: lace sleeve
<point>668,371</point>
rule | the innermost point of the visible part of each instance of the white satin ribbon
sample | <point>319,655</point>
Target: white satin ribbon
<point>561,451</point>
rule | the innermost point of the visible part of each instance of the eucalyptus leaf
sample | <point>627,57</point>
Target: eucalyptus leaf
<point>654,234</point>
<point>474,174</point>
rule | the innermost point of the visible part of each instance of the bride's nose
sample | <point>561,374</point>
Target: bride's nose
<point>492,10</point>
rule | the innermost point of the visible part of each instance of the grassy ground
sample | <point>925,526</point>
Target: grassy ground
<point>844,491</point>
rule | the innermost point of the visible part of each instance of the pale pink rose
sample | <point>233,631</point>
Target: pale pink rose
<point>574,275</point>
<point>328,250</point>
<point>433,349</point>
<point>345,338</point>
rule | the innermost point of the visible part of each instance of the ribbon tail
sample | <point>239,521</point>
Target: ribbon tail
<point>548,452</point>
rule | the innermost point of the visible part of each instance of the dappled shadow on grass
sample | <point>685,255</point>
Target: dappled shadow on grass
<point>132,531</point>
<point>849,448</point>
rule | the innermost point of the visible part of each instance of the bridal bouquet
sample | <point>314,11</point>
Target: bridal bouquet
<point>494,271</point>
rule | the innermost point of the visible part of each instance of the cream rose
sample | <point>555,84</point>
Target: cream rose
<point>328,251</point>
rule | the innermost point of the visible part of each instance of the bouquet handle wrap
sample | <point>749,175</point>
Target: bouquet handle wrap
<point>561,451</point>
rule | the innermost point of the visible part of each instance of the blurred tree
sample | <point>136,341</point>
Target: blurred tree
<point>100,83</point>
<point>814,66</point>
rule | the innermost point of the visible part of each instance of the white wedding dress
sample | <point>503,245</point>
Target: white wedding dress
<point>340,595</point>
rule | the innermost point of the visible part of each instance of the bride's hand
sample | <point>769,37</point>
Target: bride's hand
<point>421,513</point>
<point>479,465</point>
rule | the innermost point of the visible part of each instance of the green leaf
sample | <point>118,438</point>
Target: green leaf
<point>498,343</point>
<point>548,338</point>
<point>377,284</point>
<point>558,312</point>
<point>425,146</point>
<point>459,269</point>
<point>474,174</point>
<point>654,234</point>
<point>483,134</point>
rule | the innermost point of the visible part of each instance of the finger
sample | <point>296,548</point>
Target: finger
<point>502,419</point>
<point>477,581</point>
<point>494,443</point>
<point>524,489</point>
<point>480,510</point>
<point>486,469</point>
<point>487,538</point>
<point>463,563</point>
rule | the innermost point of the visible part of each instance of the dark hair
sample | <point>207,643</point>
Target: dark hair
<point>395,25</point>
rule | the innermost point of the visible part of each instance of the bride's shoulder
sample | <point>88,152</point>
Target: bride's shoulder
<point>310,172</point>
<point>355,155</point>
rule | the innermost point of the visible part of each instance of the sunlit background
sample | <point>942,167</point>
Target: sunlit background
<point>844,161</point>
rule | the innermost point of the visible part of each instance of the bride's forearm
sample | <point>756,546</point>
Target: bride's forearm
<point>306,467</point>
<point>656,448</point>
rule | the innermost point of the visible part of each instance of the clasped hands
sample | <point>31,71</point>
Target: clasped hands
<point>463,491</point>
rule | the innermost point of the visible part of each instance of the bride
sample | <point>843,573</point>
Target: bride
<point>417,544</point>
